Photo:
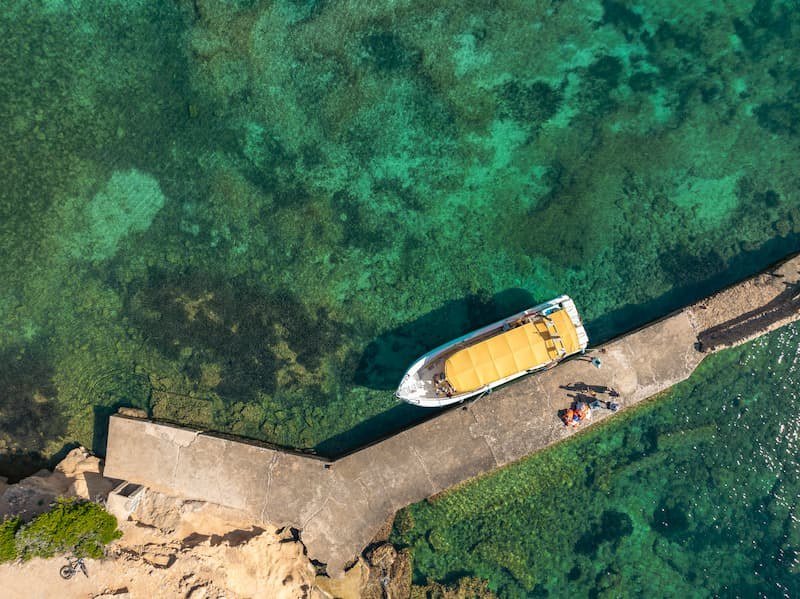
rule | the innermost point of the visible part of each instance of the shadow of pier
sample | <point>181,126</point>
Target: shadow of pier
<point>738,268</point>
<point>386,359</point>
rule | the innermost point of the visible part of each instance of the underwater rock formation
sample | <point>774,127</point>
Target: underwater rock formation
<point>358,169</point>
<point>126,204</point>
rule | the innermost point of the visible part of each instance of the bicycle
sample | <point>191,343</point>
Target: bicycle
<point>73,565</point>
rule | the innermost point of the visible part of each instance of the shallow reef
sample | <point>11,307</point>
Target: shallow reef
<point>693,494</point>
<point>250,216</point>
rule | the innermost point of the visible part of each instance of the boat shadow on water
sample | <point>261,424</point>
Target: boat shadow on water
<point>387,358</point>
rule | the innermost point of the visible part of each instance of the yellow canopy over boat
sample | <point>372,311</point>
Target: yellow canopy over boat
<point>518,349</point>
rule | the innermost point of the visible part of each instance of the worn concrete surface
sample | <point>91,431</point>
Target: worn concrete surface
<point>339,506</point>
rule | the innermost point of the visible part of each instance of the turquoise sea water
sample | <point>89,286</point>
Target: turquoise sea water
<point>251,216</point>
<point>694,494</point>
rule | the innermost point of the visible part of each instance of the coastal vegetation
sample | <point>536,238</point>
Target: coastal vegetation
<point>79,528</point>
<point>8,546</point>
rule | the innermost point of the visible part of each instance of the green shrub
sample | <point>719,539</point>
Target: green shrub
<point>72,526</point>
<point>8,529</point>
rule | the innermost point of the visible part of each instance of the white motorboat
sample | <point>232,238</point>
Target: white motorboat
<point>530,341</point>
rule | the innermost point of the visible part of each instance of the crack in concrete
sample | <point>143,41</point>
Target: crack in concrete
<point>365,491</point>
<point>175,469</point>
<point>304,525</point>
<point>424,468</point>
<point>177,436</point>
<point>180,446</point>
<point>485,438</point>
<point>270,468</point>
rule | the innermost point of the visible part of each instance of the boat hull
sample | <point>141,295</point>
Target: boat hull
<point>418,386</point>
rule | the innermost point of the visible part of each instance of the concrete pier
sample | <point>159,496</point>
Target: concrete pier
<point>340,505</point>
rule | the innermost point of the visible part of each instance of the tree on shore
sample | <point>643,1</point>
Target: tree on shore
<point>81,528</point>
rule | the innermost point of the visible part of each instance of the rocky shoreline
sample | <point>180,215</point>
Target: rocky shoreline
<point>190,549</point>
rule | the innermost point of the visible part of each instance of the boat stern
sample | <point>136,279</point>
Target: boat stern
<point>568,305</point>
<point>583,337</point>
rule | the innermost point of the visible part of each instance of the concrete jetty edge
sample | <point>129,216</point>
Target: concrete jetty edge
<point>339,505</point>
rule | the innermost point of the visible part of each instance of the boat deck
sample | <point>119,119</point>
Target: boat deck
<point>428,372</point>
<point>523,343</point>
<point>339,506</point>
